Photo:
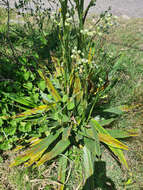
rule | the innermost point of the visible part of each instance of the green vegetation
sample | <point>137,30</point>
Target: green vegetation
<point>67,94</point>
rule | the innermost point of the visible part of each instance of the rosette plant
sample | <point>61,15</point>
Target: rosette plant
<point>69,110</point>
<point>72,105</point>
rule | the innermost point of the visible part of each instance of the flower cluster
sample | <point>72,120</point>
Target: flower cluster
<point>59,22</point>
<point>106,22</point>
<point>78,59</point>
<point>81,62</point>
<point>88,32</point>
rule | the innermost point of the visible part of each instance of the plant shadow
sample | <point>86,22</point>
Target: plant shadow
<point>99,178</point>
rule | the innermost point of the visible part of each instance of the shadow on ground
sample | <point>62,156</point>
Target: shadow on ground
<point>99,179</point>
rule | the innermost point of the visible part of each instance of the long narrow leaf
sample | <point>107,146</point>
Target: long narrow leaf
<point>96,139</point>
<point>119,153</point>
<point>58,67</point>
<point>119,134</point>
<point>21,100</point>
<point>106,122</point>
<point>77,89</point>
<point>35,152</point>
<point>58,149</point>
<point>120,109</point>
<point>88,166</point>
<point>63,161</point>
<point>92,147</point>
<point>116,151</point>
<point>50,87</point>
<point>36,110</point>
<point>109,140</point>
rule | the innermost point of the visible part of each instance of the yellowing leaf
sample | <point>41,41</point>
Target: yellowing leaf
<point>77,89</point>
<point>119,153</point>
<point>58,149</point>
<point>116,151</point>
<point>18,148</point>
<point>127,108</point>
<point>59,69</point>
<point>109,140</point>
<point>118,133</point>
<point>90,55</point>
<point>50,87</point>
<point>35,152</point>
<point>39,109</point>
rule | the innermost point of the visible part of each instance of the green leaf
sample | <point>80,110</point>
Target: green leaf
<point>36,97</point>
<point>92,141</point>
<point>63,161</point>
<point>35,152</point>
<point>13,123</point>
<point>50,87</point>
<point>65,118</point>
<point>22,100</point>
<point>96,139</point>
<point>28,85</point>
<point>1,159</point>
<point>10,130</point>
<point>28,127</point>
<point>119,153</point>
<point>1,138</point>
<point>92,147</point>
<point>88,166</point>
<point>26,75</point>
<point>109,140</point>
<point>58,149</point>
<point>66,133</point>
<point>70,105</point>
<point>36,110</point>
<point>22,126</point>
<point>43,40</point>
<point>47,98</point>
<point>116,151</point>
<point>106,122</point>
<point>1,122</point>
<point>42,85</point>
<point>120,109</point>
<point>65,98</point>
<point>5,145</point>
<point>119,134</point>
<point>116,110</point>
<point>77,89</point>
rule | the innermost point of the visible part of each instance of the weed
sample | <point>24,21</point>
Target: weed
<point>62,103</point>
